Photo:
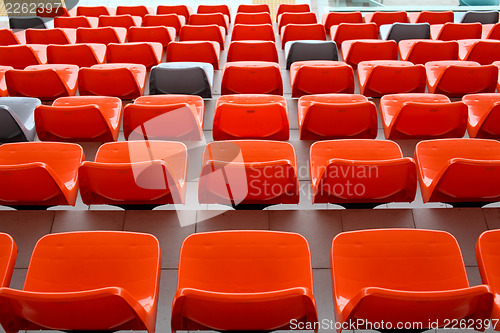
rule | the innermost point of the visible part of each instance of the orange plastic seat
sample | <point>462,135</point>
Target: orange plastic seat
<point>164,117</point>
<point>459,170</point>
<point>422,116</point>
<point>206,19</point>
<point>133,10</point>
<point>361,172</point>
<point>457,78</point>
<point>102,35</point>
<point>336,116</point>
<point>291,8</point>
<point>252,50</point>
<point>211,9</point>
<point>135,173</point>
<point>120,21</point>
<point>46,82</point>
<point>482,51</point>
<point>248,172</point>
<point>369,266</point>
<point>211,32</point>
<point>82,55</point>
<point>491,31</point>
<point>431,17</point>
<point>251,116</point>
<point>94,11</point>
<point>484,113</point>
<point>355,51</point>
<point>79,118</point>
<point>21,56</point>
<point>251,77</point>
<point>8,255</point>
<point>51,36</point>
<point>254,8</point>
<point>380,18</point>
<point>73,22</point>
<point>3,84</point>
<point>125,81</point>
<point>252,32</point>
<point>381,77</point>
<point>419,51</point>
<point>194,51</point>
<point>87,280</point>
<point>39,173</point>
<point>347,31</point>
<point>290,32</point>
<point>296,18</point>
<point>253,18</point>
<point>455,31</point>
<point>147,54</point>
<point>497,64</point>
<point>161,35</point>
<point>233,296</point>
<point>335,18</point>
<point>181,10</point>
<point>8,37</point>
<point>166,20</point>
<point>321,77</point>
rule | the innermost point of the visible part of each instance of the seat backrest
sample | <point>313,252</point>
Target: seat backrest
<point>7,37</point>
<point>22,107</point>
<point>81,55</point>
<point>132,10</point>
<point>8,255</point>
<point>72,22</point>
<point>310,50</point>
<point>18,56</point>
<point>400,31</point>
<point>26,23</point>
<point>483,17</point>
<point>176,78</point>
<point>46,36</point>
<point>252,32</point>
<point>252,51</point>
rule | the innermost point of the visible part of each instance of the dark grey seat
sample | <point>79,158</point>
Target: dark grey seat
<point>191,78</point>
<point>301,50</point>
<point>401,31</point>
<point>33,22</point>
<point>17,118</point>
<point>483,17</point>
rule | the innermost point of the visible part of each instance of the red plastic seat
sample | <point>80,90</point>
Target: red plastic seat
<point>147,54</point>
<point>88,280</point>
<point>291,8</point>
<point>252,50</point>
<point>94,11</point>
<point>253,32</point>
<point>193,51</point>
<point>380,18</point>
<point>459,170</point>
<point>422,116</point>
<point>211,9</point>
<point>457,78</point>
<point>8,255</point>
<point>46,82</point>
<point>381,77</point>
<point>291,32</point>
<point>125,174</point>
<point>211,32</point>
<point>3,84</point>
<point>255,172</point>
<point>419,51</point>
<point>39,173</point>
<point>182,10</point>
<point>491,31</point>
<point>82,55</point>
<point>103,35</point>
<point>74,22</point>
<point>361,171</point>
<point>335,18</point>
<point>369,267</point>
<point>497,64</point>
<point>79,118</point>
<point>347,31</point>
<point>8,37</point>
<point>253,18</point>
<point>431,17</point>
<point>166,20</point>
<point>484,115</point>
<point>355,51</point>
<point>336,116</point>
<point>455,31</point>
<point>253,8</point>
<point>206,19</point>
<point>125,81</point>
<point>120,21</point>
<point>133,10</point>
<point>251,77</point>
<point>21,56</point>
<point>164,117</point>
<point>161,35</point>
<point>296,18</point>
<point>482,51</point>
<point>232,296</point>
<point>51,36</point>
<point>251,116</point>
<point>321,77</point>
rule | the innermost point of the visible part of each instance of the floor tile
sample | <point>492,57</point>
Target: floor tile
<point>359,219</point>
<point>232,220</point>
<point>17,281</point>
<point>323,294</point>
<point>473,275</point>
<point>492,217</point>
<point>168,286</point>
<point>65,221</point>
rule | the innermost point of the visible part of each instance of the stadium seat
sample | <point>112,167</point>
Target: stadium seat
<point>431,17</point>
<point>483,17</point>
<point>251,77</point>
<point>8,256</point>
<point>252,32</point>
<point>491,31</point>
<point>482,51</point>
<point>355,51</point>
<point>3,84</point>
<point>94,11</point>
<point>164,117</point>
<point>296,18</point>
<point>21,56</point>
<point>39,174</point>
<point>87,281</point>
<point>251,116</point>
<point>79,118</point>
<point>381,18</point>
<point>211,32</point>
<point>147,54</point>
<point>207,19</point>
<point>421,51</point>
<point>134,10</point>
<point>497,64</point>
<point>210,9</point>
<point>182,10</point>
<point>361,173</point>
<point>232,297</point>
<point>335,18</point>
<point>120,21</point>
<point>9,37</point>
<point>82,55</point>
<point>483,115</point>
<point>302,50</point>
<point>368,267</point>
<point>125,81</point>
<point>291,8</point>
<point>347,31</point>
<point>292,32</point>
<point>17,122</point>
<point>402,31</point>
<point>233,173</point>
<point>162,35</point>
<point>58,81</point>
<point>188,78</point>
<point>457,78</point>
<point>103,35</point>
<point>422,116</point>
<point>135,174</point>
<point>253,18</point>
<point>381,77</point>
<point>26,22</point>
<point>166,20</point>
<point>193,51</point>
<point>455,31</point>
<point>252,50</point>
<point>321,77</point>
<point>253,8</point>
<point>336,116</point>
<point>51,36</point>
<point>74,22</point>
